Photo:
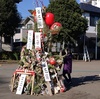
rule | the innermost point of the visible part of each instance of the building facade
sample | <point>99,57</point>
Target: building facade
<point>20,35</point>
<point>91,11</point>
<point>21,32</point>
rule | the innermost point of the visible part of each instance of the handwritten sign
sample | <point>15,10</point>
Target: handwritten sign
<point>46,71</point>
<point>30,39</point>
<point>37,40</point>
<point>21,84</point>
<point>39,17</point>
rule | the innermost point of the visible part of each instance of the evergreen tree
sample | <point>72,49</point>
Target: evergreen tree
<point>9,17</point>
<point>69,14</point>
<point>17,1</point>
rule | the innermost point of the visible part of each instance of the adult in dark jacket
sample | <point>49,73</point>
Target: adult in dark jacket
<point>67,68</point>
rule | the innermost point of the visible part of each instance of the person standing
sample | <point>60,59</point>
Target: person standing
<point>67,65</point>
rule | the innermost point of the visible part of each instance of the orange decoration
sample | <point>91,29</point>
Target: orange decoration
<point>34,13</point>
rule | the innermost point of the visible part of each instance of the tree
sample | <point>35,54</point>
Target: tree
<point>69,14</point>
<point>9,17</point>
<point>17,1</point>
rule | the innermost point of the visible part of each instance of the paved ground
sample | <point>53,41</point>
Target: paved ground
<point>86,82</point>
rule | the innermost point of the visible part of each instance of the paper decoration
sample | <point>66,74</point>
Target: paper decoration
<point>39,17</point>
<point>46,71</point>
<point>21,84</point>
<point>37,40</point>
<point>30,39</point>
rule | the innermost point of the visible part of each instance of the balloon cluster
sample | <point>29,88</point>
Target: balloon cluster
<point>55,27</point>
<point>48,18</point>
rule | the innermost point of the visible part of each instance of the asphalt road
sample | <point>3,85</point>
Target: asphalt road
<point>85,77</point>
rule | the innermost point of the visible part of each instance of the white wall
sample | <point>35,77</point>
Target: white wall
<point>23,32</point>
<point>96,3</point>
<point>18,36</point>
<point>29,22</point>
<point>91,29</point>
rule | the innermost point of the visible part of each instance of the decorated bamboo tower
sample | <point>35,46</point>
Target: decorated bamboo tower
<point>38,71</point>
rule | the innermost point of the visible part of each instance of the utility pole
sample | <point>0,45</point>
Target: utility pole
<point>96,42</point>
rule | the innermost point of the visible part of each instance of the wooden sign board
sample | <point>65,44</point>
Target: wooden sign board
<point>22,80</point>
<point>21,84</point>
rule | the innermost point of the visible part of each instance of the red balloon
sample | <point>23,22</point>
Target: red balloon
<point>49,18</point>
<point>55,28</point>
<point>52,61</point>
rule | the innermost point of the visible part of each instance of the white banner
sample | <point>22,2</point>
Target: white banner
<point>37,40</point>
<point>30,39</point>
<point>39,17</point>
<point>21,84</point>
<point>46,71</point>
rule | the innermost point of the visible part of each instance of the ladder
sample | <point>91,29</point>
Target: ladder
<point>86,56</point>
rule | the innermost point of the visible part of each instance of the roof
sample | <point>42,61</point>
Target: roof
<point>89,8</point>
<point>24,21</point>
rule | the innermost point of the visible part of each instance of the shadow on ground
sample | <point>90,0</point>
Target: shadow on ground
<point>82,81</point>
<point>4,80</point>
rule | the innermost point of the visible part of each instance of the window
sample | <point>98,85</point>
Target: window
<point>29,26</point>
<point>17,31</point>
<point>17,40</point>
<point>93,20</point>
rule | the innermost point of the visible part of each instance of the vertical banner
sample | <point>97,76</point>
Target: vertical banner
<point>37,40</point>
<point>39,17</point>
<point>21,84</point>
<point>46,71</point>
<point>30,39</point>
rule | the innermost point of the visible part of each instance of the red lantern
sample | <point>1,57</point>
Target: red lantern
<point>52,61</point>
<point>55,28</point>
<point>49,18</point>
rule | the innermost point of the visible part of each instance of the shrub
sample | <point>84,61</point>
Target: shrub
<point>5,55</point>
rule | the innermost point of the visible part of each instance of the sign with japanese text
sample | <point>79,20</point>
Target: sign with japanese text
<point>37,40</point>
<point>39,17</point>
<point>21,84</point>
<point>30,39</point>
<point>46,71</point>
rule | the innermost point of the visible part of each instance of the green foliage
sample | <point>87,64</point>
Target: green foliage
<point>4,57</point>
<point>9,17</point>
<point>24,39</point>
<point>9,55</point>
<point>17,1</point>
<point>69,14</point>
<point>16,56</point>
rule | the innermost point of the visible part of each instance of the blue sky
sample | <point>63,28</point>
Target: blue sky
<point>26,5</point>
